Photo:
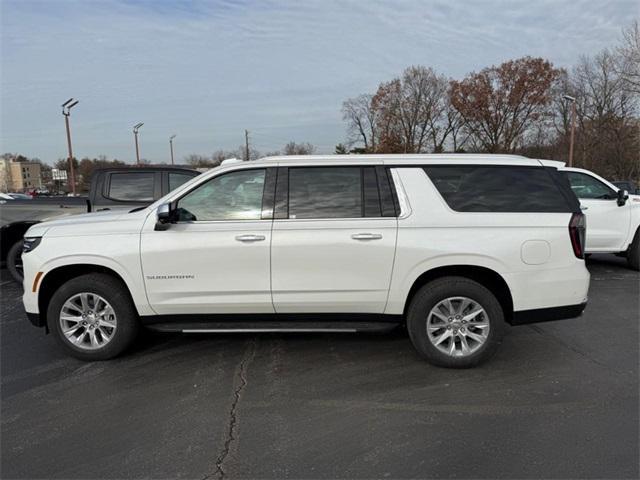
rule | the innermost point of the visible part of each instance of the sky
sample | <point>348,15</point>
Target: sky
<point>205,71</point>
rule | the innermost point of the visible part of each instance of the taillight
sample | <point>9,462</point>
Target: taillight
<point>577,233</point>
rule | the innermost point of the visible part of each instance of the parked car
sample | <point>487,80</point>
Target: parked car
<point>613,215</point>
<point>20,196</point>
<point>111,188</point>
<point>627,185</point>
<point>452,246</point>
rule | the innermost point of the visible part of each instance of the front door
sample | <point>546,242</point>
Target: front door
<point>607,222</point>
<point>215,258</point>
<point>332,250</point>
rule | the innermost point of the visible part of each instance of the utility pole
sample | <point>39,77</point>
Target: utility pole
<point>66,111</point>
<point>171,146</point>
<point>246,145</point>
<point>573,126</point>
<point>136,127</point>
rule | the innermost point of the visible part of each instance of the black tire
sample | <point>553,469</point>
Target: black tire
<point>14,262</point>
<point>438,290</point>
<point>114,292</point>
<point>633,252</point>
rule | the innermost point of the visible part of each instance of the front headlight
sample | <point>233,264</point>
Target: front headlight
<point>30,243</point>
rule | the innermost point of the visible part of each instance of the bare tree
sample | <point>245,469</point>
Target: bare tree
<point>409,111</point>
<point>608,134</point>
<point>446,124</point>
<point>293,148</point>
<point>629,58</point>
<point>361,120</point>
<point>199,161</point>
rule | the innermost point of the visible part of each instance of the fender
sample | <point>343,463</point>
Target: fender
<point>134,285</point>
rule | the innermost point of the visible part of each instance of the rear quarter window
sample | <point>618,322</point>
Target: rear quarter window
<point>483,188</point>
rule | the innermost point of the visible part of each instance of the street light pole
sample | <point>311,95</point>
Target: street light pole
<point>573,126</point>
<point>136,127</point>
<point>66,111</point>
<point>171,146</point>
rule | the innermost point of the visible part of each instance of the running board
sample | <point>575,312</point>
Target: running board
<point>274,327</point>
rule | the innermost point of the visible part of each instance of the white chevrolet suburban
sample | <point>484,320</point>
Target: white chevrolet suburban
<point>454,247</point>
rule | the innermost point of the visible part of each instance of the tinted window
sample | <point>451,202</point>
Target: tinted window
<point>586,186</point>
<point>232,196</point>
<point>132,186</point>
<point>325,192</point>
<point>177,179</point>
<point>470,188</point>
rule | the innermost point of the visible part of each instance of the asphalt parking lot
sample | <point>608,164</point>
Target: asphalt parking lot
<point>559,400</point>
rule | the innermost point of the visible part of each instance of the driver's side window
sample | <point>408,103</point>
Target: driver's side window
<point>585,186</point>
<point>231,196</point>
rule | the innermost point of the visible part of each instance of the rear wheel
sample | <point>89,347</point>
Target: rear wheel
<point>92,317</point>
<point>633,253</point>
<point>14,262</point>
<point>455,322</point>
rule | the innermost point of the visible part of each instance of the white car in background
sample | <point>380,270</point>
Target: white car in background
<point>613,215</point>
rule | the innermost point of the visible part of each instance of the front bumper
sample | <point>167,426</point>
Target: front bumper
<point>565,312</point>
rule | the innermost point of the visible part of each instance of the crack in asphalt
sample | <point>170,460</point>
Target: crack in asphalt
<point>231,436</point>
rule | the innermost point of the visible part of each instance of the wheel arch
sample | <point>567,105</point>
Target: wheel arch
<point>59,275</point>
<point>487,277</point>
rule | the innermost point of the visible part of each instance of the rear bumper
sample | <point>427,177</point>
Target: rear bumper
<point>548,289</point>
<point>565,312</point>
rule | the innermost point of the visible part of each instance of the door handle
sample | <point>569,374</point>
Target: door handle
<point>584,207</point>
<point>366,236</point>
<point>250,238</point>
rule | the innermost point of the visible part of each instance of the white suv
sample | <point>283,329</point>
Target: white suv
<point>454,247</point>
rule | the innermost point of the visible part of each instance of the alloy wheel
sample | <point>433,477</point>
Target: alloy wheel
<point>88,321</point>
<point>458,326</point>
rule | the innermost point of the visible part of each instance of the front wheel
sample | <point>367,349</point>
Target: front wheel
<point>93,317</point>
<point>455,322</point>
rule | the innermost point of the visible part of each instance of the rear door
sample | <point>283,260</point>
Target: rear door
<point>333,240</point>
<point>607,222</point>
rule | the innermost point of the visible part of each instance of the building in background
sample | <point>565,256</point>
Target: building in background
<point>19,176</point>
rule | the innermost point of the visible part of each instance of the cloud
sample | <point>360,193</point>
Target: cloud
<point>207,70</point>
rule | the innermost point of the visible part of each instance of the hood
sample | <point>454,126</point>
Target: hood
<point>96,223</point>
<point>85,218</point>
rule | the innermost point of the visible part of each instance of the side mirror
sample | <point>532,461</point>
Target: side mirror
<point>165,216</point>
<point>623,196</point>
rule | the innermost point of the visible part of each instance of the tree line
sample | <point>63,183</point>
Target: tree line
<point>213,160</point>
<point>520,106</point>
